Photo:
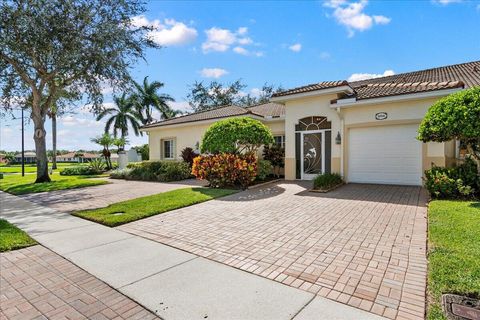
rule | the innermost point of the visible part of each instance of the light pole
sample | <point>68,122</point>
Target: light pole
<point>23,147</point>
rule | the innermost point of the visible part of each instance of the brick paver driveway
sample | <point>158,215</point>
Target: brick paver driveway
<point>103,195</point>
<point>39,284</point>
<point>362,245</point>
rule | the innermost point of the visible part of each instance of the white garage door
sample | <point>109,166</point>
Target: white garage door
<point>385,155</point>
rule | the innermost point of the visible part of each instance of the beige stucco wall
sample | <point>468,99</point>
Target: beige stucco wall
<point>301,108</point>
<point>404,112</point>
<point>188,135</point>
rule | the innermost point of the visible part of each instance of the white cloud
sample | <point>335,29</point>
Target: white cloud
<point>365,76</point>
<point>297,47</point>
<point>213,72</point>
<point>381,20</point>
<point>182,106</point>
<point>446,2</point>
<point>352,15</point>
<point>241,50</point>
<point>324,55</point>
<point>166,33</point>
<point>221,40</point>
<point>72,121</point>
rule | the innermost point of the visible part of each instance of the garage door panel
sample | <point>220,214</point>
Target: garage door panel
<point>386,154</point>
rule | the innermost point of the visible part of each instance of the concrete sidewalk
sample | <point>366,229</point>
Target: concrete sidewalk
<point>171,283</point>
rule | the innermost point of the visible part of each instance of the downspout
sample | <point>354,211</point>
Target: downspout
<point>342,145</point>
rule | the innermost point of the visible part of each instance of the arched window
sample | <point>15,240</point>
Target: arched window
<point>313,123</point>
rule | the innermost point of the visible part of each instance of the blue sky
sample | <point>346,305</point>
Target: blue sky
<point>284,43</point>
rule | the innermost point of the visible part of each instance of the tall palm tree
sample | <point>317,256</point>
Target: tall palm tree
<point>122,116</point>
<point>148,99</point>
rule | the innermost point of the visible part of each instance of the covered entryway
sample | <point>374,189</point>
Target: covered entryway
<point>313,137</point>
<point>388,154</point>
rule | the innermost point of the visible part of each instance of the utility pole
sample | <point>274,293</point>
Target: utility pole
<point>23,147</point>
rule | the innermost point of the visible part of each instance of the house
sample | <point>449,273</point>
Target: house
<point>79,157</point>
<point>365,130</point>
<point>29,156</point>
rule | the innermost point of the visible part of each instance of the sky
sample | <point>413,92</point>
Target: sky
<point>285,43</point>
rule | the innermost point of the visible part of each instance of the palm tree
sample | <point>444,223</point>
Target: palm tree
<point>147,99</point>
<point>123,115</point>
<point>105,141</point>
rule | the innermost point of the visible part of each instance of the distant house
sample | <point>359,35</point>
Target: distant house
<point>79,157</point>
<point>30,157</point>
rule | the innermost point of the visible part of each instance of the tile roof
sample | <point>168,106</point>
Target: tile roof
<point>312,87</point>
<point>261,110</point>
<point>268,110</point>
<point>454,76</point>
<point>384,89</point>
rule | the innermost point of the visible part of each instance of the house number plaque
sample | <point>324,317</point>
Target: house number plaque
<point>381,115</point>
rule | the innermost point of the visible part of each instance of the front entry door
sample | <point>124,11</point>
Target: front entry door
<point>313,147</point>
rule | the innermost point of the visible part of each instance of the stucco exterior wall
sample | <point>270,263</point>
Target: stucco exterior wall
<point>404,112</point>
<point>301,108</point>
<point>188,135</point>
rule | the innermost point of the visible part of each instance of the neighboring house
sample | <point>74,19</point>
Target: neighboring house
<point>30,157</point>
<point>79,157</point>
<point>364,130</point>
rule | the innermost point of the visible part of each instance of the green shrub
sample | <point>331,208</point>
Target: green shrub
<point>264,169</point>
<point>1,175</point>
<point>225,169</point>
<point>120,174</point>
<point>97,165</point>
<point>163,171</point>
<point>450,183</point>
<point>79,171</point>
<point>236,135</point>
<point>327,181</point>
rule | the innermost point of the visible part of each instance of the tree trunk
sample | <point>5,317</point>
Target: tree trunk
<point>54,141</point>
<point>40,146</point>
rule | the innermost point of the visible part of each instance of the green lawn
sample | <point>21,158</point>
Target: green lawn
<point>16,184</point>
<point>454,251</point>
<point>131,210</point>
<point>13,238</point>
<point>31,168</point>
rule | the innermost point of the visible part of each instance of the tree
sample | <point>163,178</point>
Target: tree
<point>120,143</point>
<point>455,117</point>
<point>261,96</point>
<point>122,116</point>
<point>106,141</point>
<point>66,45</point>
<point>147,99</point>
<point>204,97</point>
<point>276,155</point>
<point>236,136</point>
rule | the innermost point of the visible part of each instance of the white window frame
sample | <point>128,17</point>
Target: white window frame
<point>172,149</point>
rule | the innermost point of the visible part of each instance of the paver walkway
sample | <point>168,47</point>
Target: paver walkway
<point>169,282</point>
<point>39,284</point>
<point>101,196</point>
<point>362,245</point>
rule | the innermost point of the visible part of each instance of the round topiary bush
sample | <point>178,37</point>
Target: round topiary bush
<point>235,136</point>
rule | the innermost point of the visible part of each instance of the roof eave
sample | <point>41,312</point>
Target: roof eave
<point>395,98</point>
<point>313,93</point>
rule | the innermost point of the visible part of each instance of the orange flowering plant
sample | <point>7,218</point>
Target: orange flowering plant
<point>226,169</point>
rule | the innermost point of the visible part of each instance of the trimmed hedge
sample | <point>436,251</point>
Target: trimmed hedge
<point>327,180</point>
<point>79,171</point>
<point>163,171</point>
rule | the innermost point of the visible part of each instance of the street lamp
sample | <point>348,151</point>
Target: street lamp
<point>23,147</point>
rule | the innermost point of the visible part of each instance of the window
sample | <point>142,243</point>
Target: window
<point>279,141</point>
<point>167,149</point>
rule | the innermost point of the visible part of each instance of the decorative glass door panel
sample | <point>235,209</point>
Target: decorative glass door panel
<point>312,153</point>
